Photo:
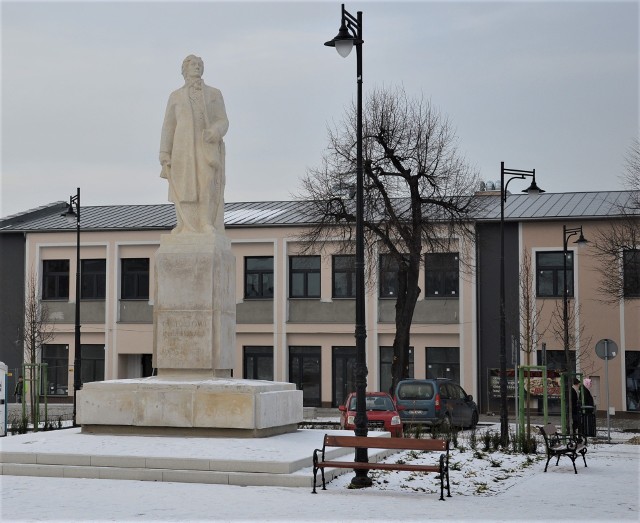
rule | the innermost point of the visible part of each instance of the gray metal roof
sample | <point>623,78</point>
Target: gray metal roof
<point>518,207</point>
<point>552,206</point>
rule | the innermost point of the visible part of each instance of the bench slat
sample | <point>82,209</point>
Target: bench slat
<point>385,443</point>
<point>377,466</point>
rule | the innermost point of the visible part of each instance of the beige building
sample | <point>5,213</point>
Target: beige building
<point>295,313</point>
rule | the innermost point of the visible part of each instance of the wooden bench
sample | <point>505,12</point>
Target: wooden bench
<point>320,463</point>
<point>558,445</point>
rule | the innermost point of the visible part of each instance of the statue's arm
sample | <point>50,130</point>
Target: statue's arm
<point>168,132</point>
<point>219,124</point>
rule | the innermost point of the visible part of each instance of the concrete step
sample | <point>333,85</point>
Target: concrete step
<point>284,460</point>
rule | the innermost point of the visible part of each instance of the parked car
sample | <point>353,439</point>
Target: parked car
<point>435,402</point>
<point>381,413</point>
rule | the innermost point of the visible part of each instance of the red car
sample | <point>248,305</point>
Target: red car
<point>381,413</point>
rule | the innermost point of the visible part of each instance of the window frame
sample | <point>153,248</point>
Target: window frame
<point>60,289</point>
<point>56,356</point>
<point>261,293</point>
<point>93,362</point>
<point>350,273</point>
<point>255,353</point>
<point>385,363</point>
<point>96,278</point>
<point>441,358</point>
<point>631,273</point>
<point>557,273</point>
<point>388,265</point>
<point>306,273</point>
<point>441,265</point>
<point>137,274</point>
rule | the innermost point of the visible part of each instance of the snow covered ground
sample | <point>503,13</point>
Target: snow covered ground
<point>486,486</point>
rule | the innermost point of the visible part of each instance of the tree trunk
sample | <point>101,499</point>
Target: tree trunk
<point>408,291</point>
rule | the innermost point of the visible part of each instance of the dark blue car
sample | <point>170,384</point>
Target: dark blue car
<point>435,402</point>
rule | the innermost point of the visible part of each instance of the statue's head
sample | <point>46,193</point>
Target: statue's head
<point>192,59</point>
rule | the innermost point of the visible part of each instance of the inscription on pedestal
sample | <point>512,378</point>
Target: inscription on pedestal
<point>185,339</point>
<point>195,304</point>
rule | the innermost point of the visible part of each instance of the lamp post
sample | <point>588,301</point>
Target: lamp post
<point>350,35</point>
<point>512,174</point>
<point>74,216</point>
<point>568,232</point>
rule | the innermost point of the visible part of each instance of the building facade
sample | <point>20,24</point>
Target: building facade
<point>295,308</point>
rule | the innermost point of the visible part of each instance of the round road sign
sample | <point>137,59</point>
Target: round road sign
<point>606,349</point>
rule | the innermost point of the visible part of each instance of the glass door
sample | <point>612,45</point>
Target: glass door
<point>344,380</point>
<point>304,371</point>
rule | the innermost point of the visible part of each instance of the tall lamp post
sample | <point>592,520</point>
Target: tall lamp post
<point>510,174</point>
<point>73,215</point>
<point>568,232</point>
<point>350,35</point>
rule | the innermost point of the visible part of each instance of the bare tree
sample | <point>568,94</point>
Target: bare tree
<point>531,330</point>
<point>618,243</point>
<point>631,175</point>
<point>578,341</point>
<point>36,331</point>
<point>418,192</point>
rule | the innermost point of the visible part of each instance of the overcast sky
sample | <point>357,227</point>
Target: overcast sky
<point>545,85</point>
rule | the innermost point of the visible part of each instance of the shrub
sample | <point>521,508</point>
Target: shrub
<point>18,425</point>
<point>473,439</point>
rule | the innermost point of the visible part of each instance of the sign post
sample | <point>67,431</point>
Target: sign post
<point>607,349</point>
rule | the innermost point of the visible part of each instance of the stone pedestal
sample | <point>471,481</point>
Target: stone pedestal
<point>189,406</point>
<point>195,309</point>
<point>193,351</point>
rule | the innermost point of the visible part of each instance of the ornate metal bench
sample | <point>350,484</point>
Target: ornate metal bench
<point>558,445</point>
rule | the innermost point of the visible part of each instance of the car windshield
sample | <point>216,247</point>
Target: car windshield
<point>415,391</point>
<point>374,403</point>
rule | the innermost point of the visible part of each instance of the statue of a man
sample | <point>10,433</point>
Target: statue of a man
<point>192,152</point>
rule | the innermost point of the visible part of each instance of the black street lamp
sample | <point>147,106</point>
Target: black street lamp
<point>350,35</point>
<point>513,174</point>
<point>568,232</point>
<point>74,216</point>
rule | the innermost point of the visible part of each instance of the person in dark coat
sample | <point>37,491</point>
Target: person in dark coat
<point>575,405</point>
<point>580,395</point>
<point>19,389</point>
<point>586,393</point>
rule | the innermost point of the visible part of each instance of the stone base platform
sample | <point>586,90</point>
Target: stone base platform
<point>189,405</point>
<point>283,460</point>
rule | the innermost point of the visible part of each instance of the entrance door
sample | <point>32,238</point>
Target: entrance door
<point>304,371</point>
<point>344,380</point>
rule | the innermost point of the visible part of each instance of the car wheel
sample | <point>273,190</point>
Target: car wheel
<point>474,420</point>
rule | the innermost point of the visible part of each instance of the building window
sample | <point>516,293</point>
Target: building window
<point>258,277</point>
<point>344,276</point>
<point>343,370</point>
<point>135,279</point>
<point>441,274</point>
<point>94,277</point>
<point>57,359</point>
<point>550,274</point>
<point>304,371</point>
<point>55,279</point>
<point>632,372</point>
<point>389,276</point>
<point>304,276</point>
<point>92,363</point>
<point>631,273</point>
<point>257,363</point>
<point>386,361</point>
<point>443,362</point>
